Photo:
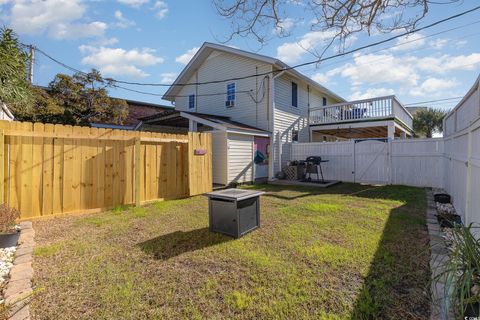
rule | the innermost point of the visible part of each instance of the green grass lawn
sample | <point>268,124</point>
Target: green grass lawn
<point>347,252</point>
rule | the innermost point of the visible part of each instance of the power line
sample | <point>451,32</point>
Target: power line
<point>439,100</point>
<point>283,69</point>
<point>404,43</point>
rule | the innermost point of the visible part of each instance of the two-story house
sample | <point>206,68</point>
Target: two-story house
<point>252,104</point>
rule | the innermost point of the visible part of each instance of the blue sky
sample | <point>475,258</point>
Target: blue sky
<point>152,40</point>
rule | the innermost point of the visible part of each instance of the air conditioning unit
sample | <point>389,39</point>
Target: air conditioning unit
<point>229,103</point>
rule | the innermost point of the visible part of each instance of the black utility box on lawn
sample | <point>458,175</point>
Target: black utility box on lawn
<point>234,212</point>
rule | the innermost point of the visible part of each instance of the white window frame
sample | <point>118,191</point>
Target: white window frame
<point>234,95</point>
<point>194,101</point>
<point>291,94</point>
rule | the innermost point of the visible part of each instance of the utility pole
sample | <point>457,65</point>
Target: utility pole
<point>32,62</point>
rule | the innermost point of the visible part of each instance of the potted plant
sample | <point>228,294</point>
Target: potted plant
<point>461,272</point>
<point>8,230</point>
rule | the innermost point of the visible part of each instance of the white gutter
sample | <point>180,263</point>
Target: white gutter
<point>271,125</point>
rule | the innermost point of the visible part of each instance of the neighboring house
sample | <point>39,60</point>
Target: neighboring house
<point>5,113</point>
<point>136,111</point>
<point>265,105</point>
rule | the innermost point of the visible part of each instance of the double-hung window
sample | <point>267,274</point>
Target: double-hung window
<point>191,101</point>
<point>294,95</point>
<point>231,91</point>
<point>324,101</point>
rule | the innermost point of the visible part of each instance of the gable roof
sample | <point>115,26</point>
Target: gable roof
<point>181,119</point>
<point>207,48</point>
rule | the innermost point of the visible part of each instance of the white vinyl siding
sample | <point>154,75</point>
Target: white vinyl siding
<point>225,66</point>
<point>240,158</point>
<point>219,158</point>
<point>289,118</point>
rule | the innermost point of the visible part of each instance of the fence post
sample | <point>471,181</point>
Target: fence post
<point>137,171</point>
<point>2,166</point>
<point>390,161</point>
<point>468,193</point>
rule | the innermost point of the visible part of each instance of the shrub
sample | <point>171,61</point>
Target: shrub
<point>7,217</point>
<point>462,271</point>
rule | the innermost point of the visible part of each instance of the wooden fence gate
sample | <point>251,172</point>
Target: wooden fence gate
<point>49,169</point>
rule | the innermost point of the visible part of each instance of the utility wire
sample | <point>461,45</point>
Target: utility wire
<point>439,100</point>
<point>283,69</point>
<point>404,43</point>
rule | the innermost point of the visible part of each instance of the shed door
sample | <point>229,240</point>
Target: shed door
<point>260,157</point>
<point>371,161</point>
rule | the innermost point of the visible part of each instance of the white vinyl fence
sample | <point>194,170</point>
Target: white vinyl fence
<point>462,152</point>
<point>416,162</point>
<point>451,163</point>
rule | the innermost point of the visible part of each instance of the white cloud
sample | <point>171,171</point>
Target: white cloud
<point>133,3</point>
<point>380,68</point>
<point>290,52</point>
<point>106,42</point>
<point>371,93</point>
<point>434,87</point>
<point>323,77</point>
<point>445,63</point>
<point>187,56</point>
<point>59,18</point>
<point>283,28</point>
<point>320,77</point>
<point>438,43</point>
<point>162,9</point>
<point>122,22</point>
<point>410,42</point>
<point>117,61</point>
<point>168,77</point>
<point>82,30</point>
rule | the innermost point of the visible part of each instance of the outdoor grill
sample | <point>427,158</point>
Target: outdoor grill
<point>314,166</point>
<point>234,212</point>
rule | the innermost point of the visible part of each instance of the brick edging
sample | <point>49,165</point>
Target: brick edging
<point>18,290</point>
<point>438,257</point>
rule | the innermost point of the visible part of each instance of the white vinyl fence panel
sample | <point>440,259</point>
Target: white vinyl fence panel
<point>415,162</point>
<point>418,162</point>
<point>339,154</point>
<point>462,152</point>
<point>372,161</point>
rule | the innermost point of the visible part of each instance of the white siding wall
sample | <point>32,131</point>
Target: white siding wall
<point>219,157</point>
<point>240,158</point>
<point>224,66</point>
<point>289,118</point>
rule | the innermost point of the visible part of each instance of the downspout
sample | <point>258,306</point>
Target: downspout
<point>271,126</point>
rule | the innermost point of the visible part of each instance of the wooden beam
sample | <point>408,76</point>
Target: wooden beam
<point>137,171</point>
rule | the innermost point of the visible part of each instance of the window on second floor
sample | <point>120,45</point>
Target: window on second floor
<point>294,95</point>
<point>191,101</point>
<point>230,94</point>
<point>324,101</point>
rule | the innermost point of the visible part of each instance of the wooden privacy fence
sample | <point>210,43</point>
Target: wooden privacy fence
<point>49,169</point>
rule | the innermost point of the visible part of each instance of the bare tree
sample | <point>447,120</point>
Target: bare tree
<point>341,18</point>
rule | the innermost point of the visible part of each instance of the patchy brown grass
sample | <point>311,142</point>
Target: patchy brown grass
<point>346,252</point>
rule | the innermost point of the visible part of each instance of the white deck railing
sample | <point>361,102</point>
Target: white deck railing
<point>360,110</point>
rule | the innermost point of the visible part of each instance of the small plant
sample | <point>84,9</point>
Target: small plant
<point>7,218</point>
<point>462,272</point>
